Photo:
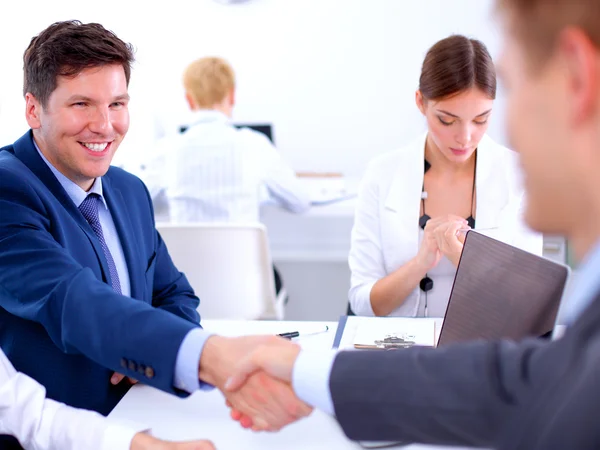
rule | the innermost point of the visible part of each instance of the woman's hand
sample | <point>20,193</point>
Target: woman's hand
<point>448,238</point>
<point>429,254</point>
<point>438,241</point>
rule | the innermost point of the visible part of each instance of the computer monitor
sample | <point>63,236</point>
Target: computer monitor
<point>264,128</point>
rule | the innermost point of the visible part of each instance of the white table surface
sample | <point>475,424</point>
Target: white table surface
<point>204,415</point>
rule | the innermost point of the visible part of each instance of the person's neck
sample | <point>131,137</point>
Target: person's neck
<point>585,205</point>
<point>440,163</point>
<point>223,109</point>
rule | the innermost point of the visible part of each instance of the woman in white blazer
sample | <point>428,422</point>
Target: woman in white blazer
<point>415,203</point>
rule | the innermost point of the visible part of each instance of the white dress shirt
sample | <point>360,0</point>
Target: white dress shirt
<point>39,423</point>
<point>215,172</point>
<point>312,370</point>
<point>386,233</point>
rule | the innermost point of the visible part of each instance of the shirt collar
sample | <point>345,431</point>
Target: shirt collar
<point>586,285</point>
<point>588,269</point>
<point>76,194</point>
<point>207,115</point>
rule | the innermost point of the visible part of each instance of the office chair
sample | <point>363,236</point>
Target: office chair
<point>229,266</point>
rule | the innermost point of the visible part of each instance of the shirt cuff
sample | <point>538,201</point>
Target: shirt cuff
<point>67,425</point>
<point>117,437</point>
<point>119,434</point>
<point>362,300</point>
<point>188,361</point>
<point>310,379</point>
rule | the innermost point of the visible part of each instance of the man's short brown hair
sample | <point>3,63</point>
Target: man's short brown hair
<point>208,81</point>
<point>66,49</point>
<point>538,23</point>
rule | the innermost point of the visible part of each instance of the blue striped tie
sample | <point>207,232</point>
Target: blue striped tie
<point>89,209</point>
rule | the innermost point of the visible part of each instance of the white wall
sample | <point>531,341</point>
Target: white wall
<point>336,77</point>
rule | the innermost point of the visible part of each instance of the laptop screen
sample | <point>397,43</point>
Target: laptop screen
<point>264,128</point>
<point>501,291</point>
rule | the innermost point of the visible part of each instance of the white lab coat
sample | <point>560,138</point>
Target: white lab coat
<point>214,172</point>
<point>386,234</point>
<point>43,424</point>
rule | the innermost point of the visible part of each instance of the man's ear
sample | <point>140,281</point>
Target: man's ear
<point>582,63</point>
<point>33,111</point>
<point>190,101</point>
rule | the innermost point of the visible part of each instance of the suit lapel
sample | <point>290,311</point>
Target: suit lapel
<point>129,243</point>
<point>27,153</point>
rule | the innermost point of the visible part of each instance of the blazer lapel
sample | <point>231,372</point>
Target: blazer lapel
<point>402,205</point>
<point>27,153</point>
<point>491,185</point>
<point>118,209</point>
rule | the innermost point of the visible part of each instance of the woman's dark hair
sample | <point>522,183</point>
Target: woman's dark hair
<point>454,65</point>
<point>66,49</point>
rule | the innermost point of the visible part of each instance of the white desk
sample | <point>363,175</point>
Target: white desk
<point>204,414</point>
<point>320,234</point>
<point>311,252</point>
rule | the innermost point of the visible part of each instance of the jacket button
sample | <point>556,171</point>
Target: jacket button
<point>141,369</point>
<point>132,366</point>
<point>149,372</point>
<point>123,363</point>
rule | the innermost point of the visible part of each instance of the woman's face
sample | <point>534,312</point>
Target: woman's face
<point>457,124</point>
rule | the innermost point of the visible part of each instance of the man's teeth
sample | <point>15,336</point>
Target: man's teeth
<point>96,147</point>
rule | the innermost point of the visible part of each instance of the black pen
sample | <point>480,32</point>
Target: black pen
<point>293,334</point>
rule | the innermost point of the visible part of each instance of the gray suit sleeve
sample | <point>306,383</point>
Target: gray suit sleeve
<point>457,395</point>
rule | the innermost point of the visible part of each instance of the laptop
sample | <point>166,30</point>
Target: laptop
<point>501,291</point>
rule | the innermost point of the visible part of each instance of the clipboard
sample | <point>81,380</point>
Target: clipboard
<point>383,333</point>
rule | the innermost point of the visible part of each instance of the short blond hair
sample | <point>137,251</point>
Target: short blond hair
<point>208,81</point>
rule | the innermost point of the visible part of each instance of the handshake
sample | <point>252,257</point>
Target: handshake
<point>255,375</point>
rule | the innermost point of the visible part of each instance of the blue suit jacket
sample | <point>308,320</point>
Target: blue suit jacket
<point>60,322</point>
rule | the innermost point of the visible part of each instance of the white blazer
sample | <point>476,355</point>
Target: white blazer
<point>385,235</point>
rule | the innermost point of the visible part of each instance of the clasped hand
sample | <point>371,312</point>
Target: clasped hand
<point>258,391</point>
<point>442,237</point>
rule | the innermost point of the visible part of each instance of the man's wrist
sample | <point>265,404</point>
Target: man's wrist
<point>211,360</point>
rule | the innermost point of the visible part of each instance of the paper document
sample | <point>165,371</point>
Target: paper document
<point>394,332</point>
<point>387,332</point>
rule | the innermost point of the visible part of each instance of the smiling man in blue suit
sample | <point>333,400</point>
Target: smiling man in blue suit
<point>88,292</point>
